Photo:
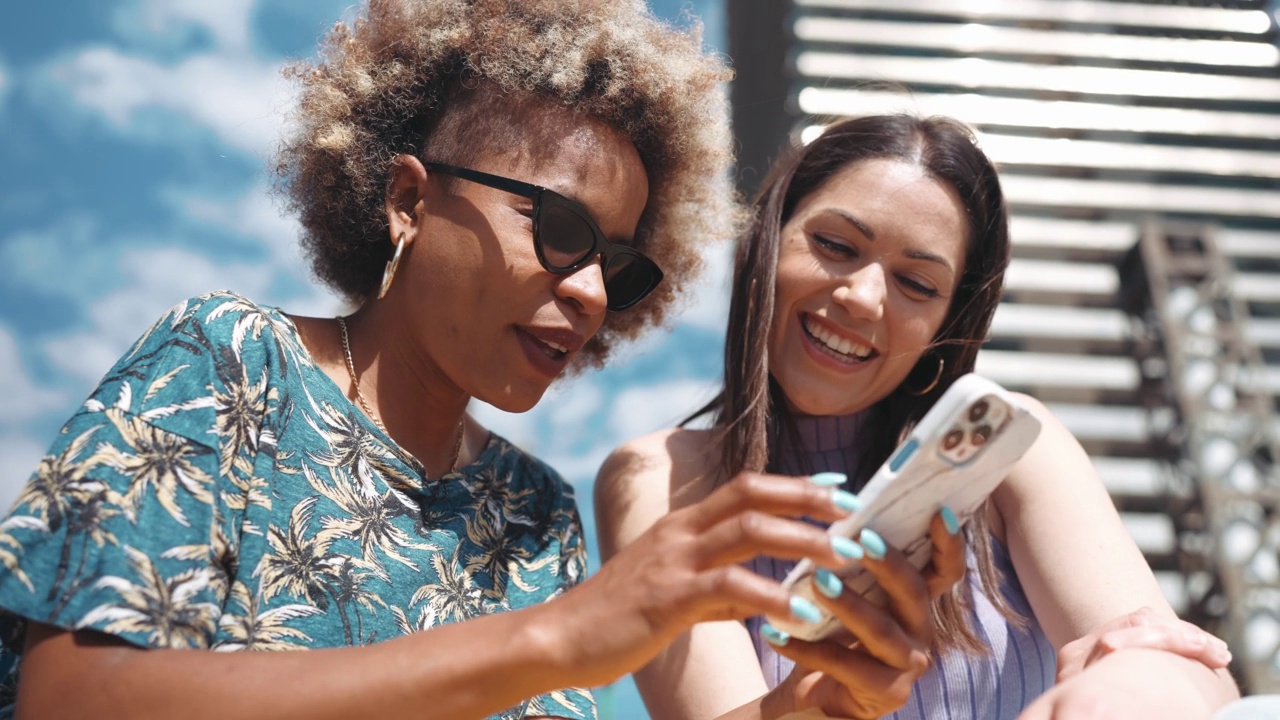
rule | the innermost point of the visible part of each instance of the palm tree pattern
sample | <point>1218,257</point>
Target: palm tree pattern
<point>218,491</point>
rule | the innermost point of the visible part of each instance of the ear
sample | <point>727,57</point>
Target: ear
<point>406,195</point>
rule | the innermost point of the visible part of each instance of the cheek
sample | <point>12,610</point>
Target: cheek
<point>916,330</point>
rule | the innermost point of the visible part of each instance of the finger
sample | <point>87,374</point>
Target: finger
<point>732,592</point>
<point>875,628</point>
<point>1075,655</point>
<point>774,494</point>
<point>860,673</point>
<point>751,533</point>
<point>1189,642</point>
<point>908,594</point>
<point>947,566</point>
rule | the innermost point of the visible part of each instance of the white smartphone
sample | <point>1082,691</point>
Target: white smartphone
<point>956,456</point>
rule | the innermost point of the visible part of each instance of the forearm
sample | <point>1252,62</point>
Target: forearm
<point>463,670</point>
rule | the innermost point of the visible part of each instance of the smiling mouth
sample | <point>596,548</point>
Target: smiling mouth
<point>553,350</point>
<point>840,348</point>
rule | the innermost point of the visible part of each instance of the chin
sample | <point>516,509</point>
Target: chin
<point>823,400</point>
<point>515,401</point>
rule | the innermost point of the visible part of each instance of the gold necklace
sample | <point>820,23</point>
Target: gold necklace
<point>355,383</point>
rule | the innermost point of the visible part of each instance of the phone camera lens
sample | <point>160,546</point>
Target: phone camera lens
<point>952,439</point>
<point>977,411</point>
<point>981,435</point>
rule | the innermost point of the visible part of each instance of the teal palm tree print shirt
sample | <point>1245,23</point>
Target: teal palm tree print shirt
<point>219,491</point>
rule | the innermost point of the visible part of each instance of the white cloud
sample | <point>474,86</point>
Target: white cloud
<point>223,86</point>
<point>237,96</point>
<point>25,404</point>
<point>23,399</point>
<point>154,279</point>
<point>255,216</point>
<point>227,21</point>
<point>19,455</point>
<point>647,408</point>
<point>707,306</point>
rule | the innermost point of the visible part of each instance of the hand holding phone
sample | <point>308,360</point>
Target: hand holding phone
<point>956,456</point>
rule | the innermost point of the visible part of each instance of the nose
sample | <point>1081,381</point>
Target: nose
<point>584,288</point>
<point>863,292</point>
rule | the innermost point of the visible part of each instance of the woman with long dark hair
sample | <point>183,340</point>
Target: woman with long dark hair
<point>862,291</point>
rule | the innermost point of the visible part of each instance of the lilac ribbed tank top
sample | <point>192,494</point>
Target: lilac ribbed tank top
<point>1021,664</point>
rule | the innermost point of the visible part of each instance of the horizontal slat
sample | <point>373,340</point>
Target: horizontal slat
<point>986,111</point>
<point>1132,476</point>
<point>1264,332</point>
<point>1153,534</point>
<point>1012,150</point>
<point>997,40</point>
<point>1248,243</point>
<point>982,73</point>
<point>1062,152</point>
<point>1059,371</point>
<point>1047,192</point>
<point>1061,277</point>
<point>1174,586</point>
<point>1032,370</point>
<point>1116,238</point>
<point>1073,323</point>
<point>1084,12</point>
<point>1122,423</point>
<point>1257,287</point>
<point>1111,239</point>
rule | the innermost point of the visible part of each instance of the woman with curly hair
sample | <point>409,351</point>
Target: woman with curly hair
<point>503,189</point>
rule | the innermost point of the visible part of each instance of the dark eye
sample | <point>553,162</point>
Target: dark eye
<point>916,287</point>
<point>834,247</point>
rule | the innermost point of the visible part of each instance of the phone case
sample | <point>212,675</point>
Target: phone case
<point>956,456</point>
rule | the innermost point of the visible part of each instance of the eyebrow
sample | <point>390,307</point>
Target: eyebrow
<point>871,235</point>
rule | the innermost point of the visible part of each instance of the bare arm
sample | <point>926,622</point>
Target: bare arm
<point>712,670</point>
<point>682,571</point>
<point>465,670</point>
<point>1078,565</point>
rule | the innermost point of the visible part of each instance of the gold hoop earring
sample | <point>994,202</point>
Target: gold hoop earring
<point>936,378</point>
<point>390,273</point>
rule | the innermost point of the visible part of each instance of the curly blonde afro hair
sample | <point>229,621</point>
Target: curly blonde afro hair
<point>385,85</point>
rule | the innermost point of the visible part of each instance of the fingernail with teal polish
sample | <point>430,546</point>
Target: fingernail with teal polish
<point>846,501</point>
<point>846,548</point>
<point>949,519</point>
<point>873,543</point>
<point>773,635</point>
<point>828,584</point>
<point>828,479</point>
<point>804,610</point>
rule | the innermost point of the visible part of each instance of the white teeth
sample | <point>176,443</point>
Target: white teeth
<point>555,346</point>
<point>844,346</point>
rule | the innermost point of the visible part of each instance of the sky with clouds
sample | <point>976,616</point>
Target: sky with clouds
<point>135,153</point>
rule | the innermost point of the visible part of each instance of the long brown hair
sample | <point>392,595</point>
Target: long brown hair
<point>750,414</point>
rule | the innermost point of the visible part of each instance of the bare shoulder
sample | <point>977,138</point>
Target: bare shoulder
<point>1055,457</point>
<point>1052,432</point>
<point>658,465</point>
<point>646,478</point>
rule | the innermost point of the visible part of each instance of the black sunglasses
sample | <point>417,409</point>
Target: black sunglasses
<point>565,238</point>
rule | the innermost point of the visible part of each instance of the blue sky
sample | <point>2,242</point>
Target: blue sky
<point>133,173</point>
